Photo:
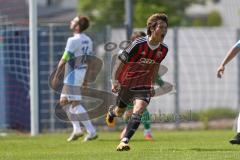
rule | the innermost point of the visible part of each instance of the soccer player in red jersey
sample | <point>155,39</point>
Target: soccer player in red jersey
<point>134,74</point>
<point>145,120</point>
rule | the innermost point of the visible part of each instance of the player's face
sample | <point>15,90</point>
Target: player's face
<point>74,23</point>
<point>160,30</point>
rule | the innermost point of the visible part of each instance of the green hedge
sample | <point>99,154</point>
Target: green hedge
<point>202,115</point>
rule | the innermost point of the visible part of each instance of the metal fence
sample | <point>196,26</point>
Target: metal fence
<point>199,52</point>
<point>192,61</point>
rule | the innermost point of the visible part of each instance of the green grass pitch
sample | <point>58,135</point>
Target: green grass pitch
<point>167,145</point>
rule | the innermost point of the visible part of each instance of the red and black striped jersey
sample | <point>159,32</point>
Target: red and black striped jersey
<point>141,63</point>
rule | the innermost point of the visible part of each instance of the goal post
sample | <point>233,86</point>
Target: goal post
<point>34,101</point>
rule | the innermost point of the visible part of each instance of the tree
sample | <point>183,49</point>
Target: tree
<point>103,12</point>
<point>174,10</point>
<point>112,11</point>
<point>214,18</point>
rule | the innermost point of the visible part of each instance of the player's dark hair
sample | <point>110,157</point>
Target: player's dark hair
<point>153,21</point>
<point>83,23</point>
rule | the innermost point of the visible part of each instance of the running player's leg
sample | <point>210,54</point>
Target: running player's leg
<point>79,109</point>
<point>77,132</point>
<point>117,111</point>
<point>236,139</point>
<point>126,117</point>
<point>133,124</point>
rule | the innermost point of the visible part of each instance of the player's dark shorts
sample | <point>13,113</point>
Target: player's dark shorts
<point>127,96</point>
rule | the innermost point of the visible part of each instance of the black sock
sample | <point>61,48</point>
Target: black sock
<point>132,126</point>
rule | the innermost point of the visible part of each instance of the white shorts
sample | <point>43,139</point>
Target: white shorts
<point>74,79</point>
<point>71,97</point>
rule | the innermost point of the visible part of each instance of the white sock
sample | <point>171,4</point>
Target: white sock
<point>238,124</point>
<point>75,124</point>
<point>87,124</point>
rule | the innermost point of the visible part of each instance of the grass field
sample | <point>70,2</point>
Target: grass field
<point>167,145</point>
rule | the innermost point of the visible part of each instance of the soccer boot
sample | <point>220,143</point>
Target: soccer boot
<point>236,139</point>
<point>110,118</point>
<point>148,137</point>
<point>74,136</point>
<point>90,137</point>
<point>123,147</point>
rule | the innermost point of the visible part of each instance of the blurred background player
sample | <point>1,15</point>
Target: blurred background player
<point>78,45</point>
<point>230,55</point>
<point>136,86</point>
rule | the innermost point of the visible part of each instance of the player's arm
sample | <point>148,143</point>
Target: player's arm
<point>158,79</point>
<point>121,61</point>
<point>115,74</point>
<point>67,55</point>
<point>61,65</point>
<point>59,74</point>
<point>230,55</point>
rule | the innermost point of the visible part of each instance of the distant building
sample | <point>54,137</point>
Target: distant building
<point>49,11</point>
<point>56,11</point>
<point>13,11</point>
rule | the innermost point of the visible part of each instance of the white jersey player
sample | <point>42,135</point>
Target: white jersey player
<point>77,46</point>
<point>230,55</point>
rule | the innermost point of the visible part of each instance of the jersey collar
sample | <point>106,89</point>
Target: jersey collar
<point>153,47</point>
<point>77,34</point>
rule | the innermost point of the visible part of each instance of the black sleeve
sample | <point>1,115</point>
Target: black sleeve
<point>130,51</point>
<point>124,57</point>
